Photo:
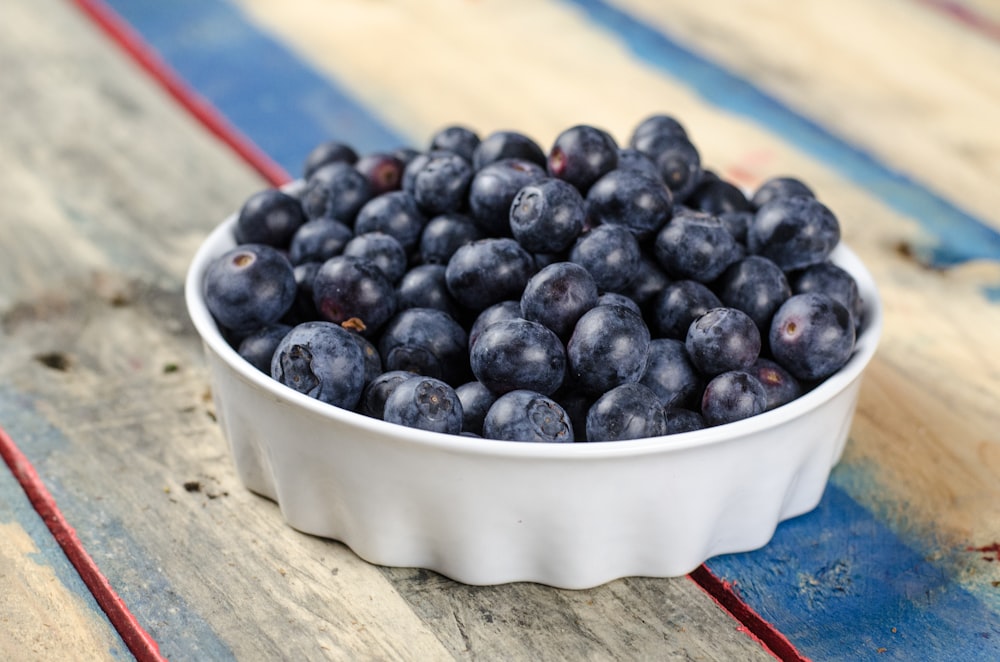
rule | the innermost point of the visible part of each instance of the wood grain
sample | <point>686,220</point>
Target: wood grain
<point>103,386</point>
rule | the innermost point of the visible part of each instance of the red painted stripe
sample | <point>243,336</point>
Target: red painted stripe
<point>967,16</point>
<point>142,646</point>
<point>753,625</point>
<point>122,34</point>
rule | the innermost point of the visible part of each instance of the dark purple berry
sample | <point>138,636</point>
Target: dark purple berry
<point>527,416</point>
<point>323,361</point>
<point>269,217</point>
<point>630,199</point>
<point>424,403</point>
<point>249,286</point>
<point>812,336</point>
<point>696,246</point>
<point>795,232</point>
<point>558,295</point>
<point>319,240</point>
<point>581,155</point>
<point>456,138</point>
<point>611,254</point>
<point>629,411</point>
<point>721,340</point>
<point>732,396</point>
<point>501,145</point>
<point>354,292</point>
<point>779,187</point>
<point>327,152</point>
<point>518,354</point>
<point>547,216</point>
<point>609,346</point>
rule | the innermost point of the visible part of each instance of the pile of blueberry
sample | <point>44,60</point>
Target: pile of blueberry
<point>484,287</point>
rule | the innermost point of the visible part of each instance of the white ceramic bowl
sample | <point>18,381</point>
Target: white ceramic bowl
<point>489,512</point>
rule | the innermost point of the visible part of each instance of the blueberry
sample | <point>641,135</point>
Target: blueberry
<point>611,254</point>
<point>269,217</point>
<point>501,145</point>
<point>547,216</point>
<point>354,292</point>
<point>652,126</point>
<point>779,384</point>
<point>630,199</point>
<point>629,411</point>
<point>383,170</point>
<point>336,190</point>
<point>755,285</point>
<point>721,340</point>
<point>671,374</point>
<point>696,246</point>
<point>487,271</point>
<point>378,390</point>
<point>576,403</point>
<point>673,308</point>
<point>558,295</point>
<point>383,250</point>
<point>716,196</point>
<point>405,154</point>
<point>442,236</point>
<point>395,213</point>
<point>304,308</point>
<point>581,155</point>
<point>456,138</point>
<point>649,281</point>
<point>680,420</point>
<point>426,341</point>
<point>779,187</point>
<point>413,166</point>
<point>609,346</point>
<point>527,416</point>
<point>476,400</point>
<point>616,299</point>
<point>425,286</point>
<point>828,278</point>
<point>319,240</point>
<point>812,335</point>
<point>248,287</point>
<point>795,232</point>
<point>258,347</point>
<point>677,158</point>
<point>493,189</point>
<point>518,354</point>
<point>633,159</point>
<point>323,361</point>
<point>424,403</point>
<point>442,184</point>
<point>738,223</point>
<point>331,151</point>
<point>732,396</point>
<point>373,361</point>
<point>497,312</point>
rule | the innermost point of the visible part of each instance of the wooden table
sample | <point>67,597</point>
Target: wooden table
<point>112,177</point>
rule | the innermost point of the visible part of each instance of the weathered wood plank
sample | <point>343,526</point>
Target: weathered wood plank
<point>46,612</point>
<point>103,387</point>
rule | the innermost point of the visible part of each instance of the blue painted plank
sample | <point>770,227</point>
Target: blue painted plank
<point>285,106</point>
<point>841,586</point>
